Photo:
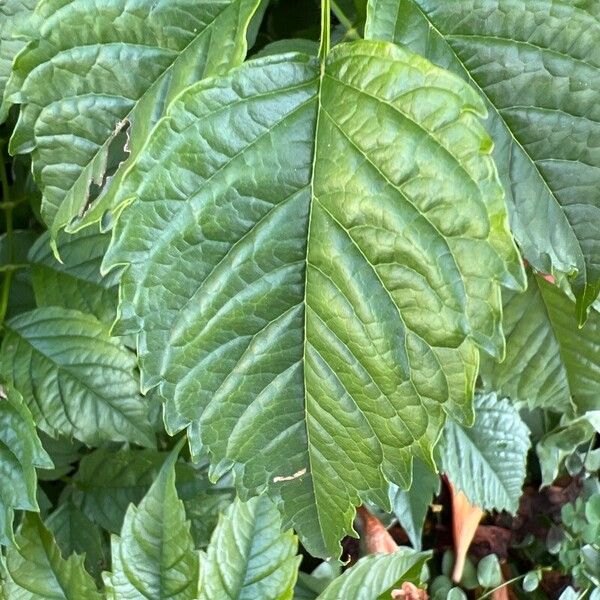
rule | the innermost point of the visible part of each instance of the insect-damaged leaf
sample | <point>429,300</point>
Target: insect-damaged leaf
<point>307,291</point>
<point>97,67</point>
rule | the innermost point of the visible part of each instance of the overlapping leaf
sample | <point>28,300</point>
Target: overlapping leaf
<point>410,506</point>
<point>550,362</point>
<point>108,481</point>
<point>15,24</point>
<point>537,67</point>
<point>20,453</point>
<point>154,557</point>
<point>375,576</point>
<point>75,533</point>
<point>36,571</point>
<point>98,67</point>
<point>74,281</point>
<point>249,556</point>
<point>307,291</point>
<point>487,461</point>
<point>76,380</point>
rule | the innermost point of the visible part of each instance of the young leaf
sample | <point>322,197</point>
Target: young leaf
<point>74,281</point>
<point>376,574</point>
<point>563,441</point>
<point>319,316</point>
<point>410,506</point>
<point>487,461</point>
<point>75,533</point>
<point>527,60</point>
<point>550,362</point>
<point>15,23</point>
<point>36,571</point>
<point>20,453</point>
<point>76,380</point>
<point>249,556</point>
<point>154,557</point>
<point>97,67</point>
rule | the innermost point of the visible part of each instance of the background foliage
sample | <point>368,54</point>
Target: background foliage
<point>264,262</point>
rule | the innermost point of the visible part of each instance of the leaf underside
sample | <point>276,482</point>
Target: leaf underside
<point>307,292</point>
<point>97,68</point>
<point>537,67</point>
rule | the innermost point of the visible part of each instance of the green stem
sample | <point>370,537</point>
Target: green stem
<point>513,580</point>
<point>325,30</point>
<point>351,32</point>
<point>8,215</point>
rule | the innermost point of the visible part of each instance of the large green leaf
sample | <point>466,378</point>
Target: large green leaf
<point>374,577</point>
<point>98,66</point>
<point>154,557</point>
<point>319,316</point>
<point>15,24</point>
<point>74,281</point>
<point>487,461</point>
<point>75,533</point>
<point>536,65</point>
<point>550,362</point>
<point>249,556</point>
<point>76,380</point>
<point>20,453</point>
<point>36,571</point>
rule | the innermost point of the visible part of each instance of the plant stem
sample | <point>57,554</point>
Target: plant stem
<point>8,210</point>
<point>513,580</point>
<point>351,32</point>
<point>325,30</point>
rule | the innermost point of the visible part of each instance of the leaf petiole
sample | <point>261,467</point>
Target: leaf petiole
<point>7,205</point>
<point>325,30</point>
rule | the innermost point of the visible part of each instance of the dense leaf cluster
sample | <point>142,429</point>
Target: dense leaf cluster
<point>264,262</point>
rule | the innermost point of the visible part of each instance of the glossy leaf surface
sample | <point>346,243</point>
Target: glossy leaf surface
<point>76,379</point>
<point>318,318</point>
<point>36,571</point>
<point>154,556</point>
<point>487,462</point>
<point>550,362</point>
<point>20,453</point>
<point>98,68</point>
<point>249,556</point>
<point>536,65</point>
<point>74,281</point>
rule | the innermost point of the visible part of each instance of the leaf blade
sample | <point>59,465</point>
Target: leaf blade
<point>504,48</point>
<point>20,453</point>
<point>154,556</point>
<point>76,379</point>
<point>312,359</point>
<point>69,126</point>
<point>249,556</point>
